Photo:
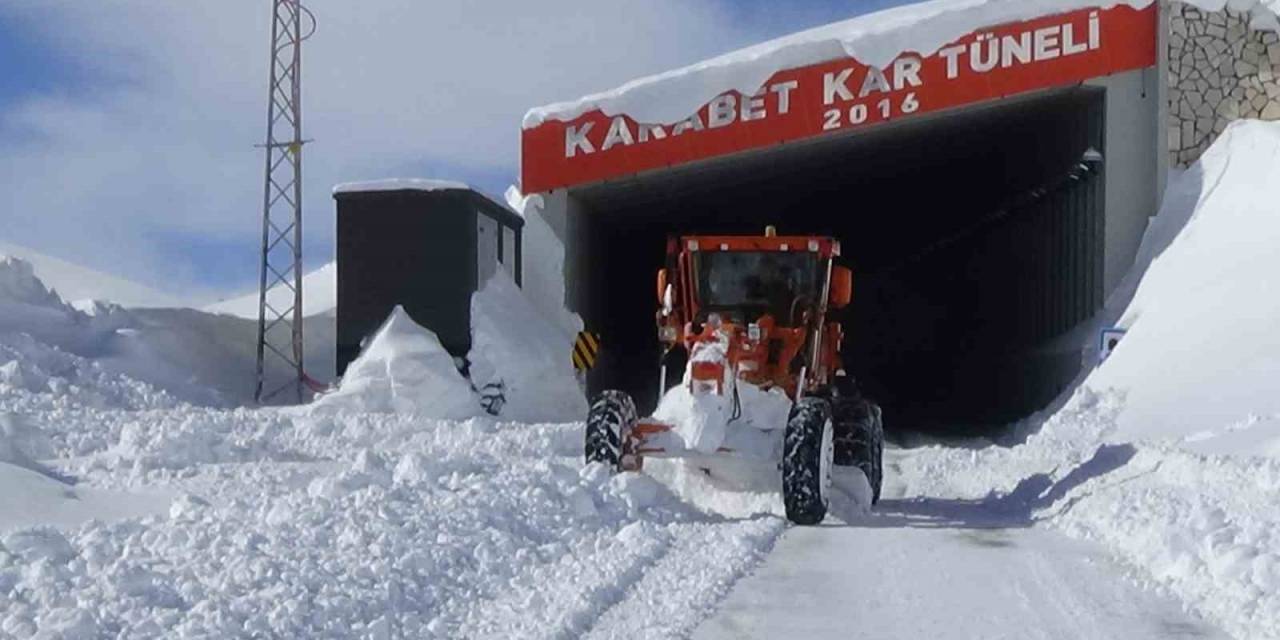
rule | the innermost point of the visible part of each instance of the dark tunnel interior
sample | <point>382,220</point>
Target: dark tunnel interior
<point>975,238</point>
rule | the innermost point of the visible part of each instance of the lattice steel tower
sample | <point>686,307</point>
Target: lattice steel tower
<point>280,315</point>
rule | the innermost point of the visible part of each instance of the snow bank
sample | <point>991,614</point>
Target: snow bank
<point>1203,528</point>
<point>400,184</point>
<point>514,348</point>
<point>874,39</point>
<point>457,530</point>
<point>403,369</point>
<point>103,355</point>
<point>1167,454</point>
<point>544,256</point>
<point>73,282</point>
<point>1196,375</point>
<point>18,284</point>
<point>1201,359</point>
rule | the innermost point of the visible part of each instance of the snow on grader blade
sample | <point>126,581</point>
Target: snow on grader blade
<point>743,321</point>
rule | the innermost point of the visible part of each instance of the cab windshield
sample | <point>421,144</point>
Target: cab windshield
<point>748,284</point>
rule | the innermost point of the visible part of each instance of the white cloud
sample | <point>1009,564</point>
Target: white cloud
<point>165,150</point>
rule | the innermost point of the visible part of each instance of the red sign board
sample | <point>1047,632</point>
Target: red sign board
<point>844,94</point>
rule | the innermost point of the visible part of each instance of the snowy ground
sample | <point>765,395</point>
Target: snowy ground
<point>940,568</point>
<point>137,500</point>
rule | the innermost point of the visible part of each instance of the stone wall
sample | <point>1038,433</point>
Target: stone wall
<point>1220,70</point>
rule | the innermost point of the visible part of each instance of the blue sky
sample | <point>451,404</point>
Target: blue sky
<point>127,128</point>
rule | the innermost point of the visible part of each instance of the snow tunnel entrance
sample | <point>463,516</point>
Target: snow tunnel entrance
<point>976,238</point>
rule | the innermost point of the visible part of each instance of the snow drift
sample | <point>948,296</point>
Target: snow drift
<point>50,347</point>
<point>1166,455</point>
<point>78,284</point>
<point>514,348</point>
<point>1202,357</point>
<point>403,369</point>
<point>1196,375</point>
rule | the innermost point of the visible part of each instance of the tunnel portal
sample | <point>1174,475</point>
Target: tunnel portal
<point>989,195</point>
<point>974,239</point>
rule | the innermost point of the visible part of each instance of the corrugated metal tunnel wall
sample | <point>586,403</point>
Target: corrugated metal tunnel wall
<point>975,237</point>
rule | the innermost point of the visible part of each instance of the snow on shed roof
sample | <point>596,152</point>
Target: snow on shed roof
<point>874,39</point>
<point>400,184</point>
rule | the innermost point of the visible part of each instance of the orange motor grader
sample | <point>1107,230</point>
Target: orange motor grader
<point>752,356</point>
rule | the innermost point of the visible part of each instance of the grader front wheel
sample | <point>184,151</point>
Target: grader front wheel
<point>806,462</point>
<point>611,418</point>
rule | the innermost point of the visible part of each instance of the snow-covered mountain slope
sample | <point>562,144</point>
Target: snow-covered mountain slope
<point>75,283</point>
<point>132,357</point>
<point>320,296</point>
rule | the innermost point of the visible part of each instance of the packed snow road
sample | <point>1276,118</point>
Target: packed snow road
<point>934,568</point>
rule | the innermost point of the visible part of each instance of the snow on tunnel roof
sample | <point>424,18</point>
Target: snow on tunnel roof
<point>874,39</point>
<point>400,184</point>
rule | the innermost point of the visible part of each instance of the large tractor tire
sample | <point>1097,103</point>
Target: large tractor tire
<point>859,439</point>
<point>610,419</point>
<point>807,458</point>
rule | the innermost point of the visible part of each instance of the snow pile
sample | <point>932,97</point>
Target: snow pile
<point>457,530</point>
<point>182,440</point>
<point>1203,528</point>
<point>704,420</point>
<point>516,350</point>
<point>18,284</point>
<point>34,375</point>
<point>33,493</point>
<point>78,284</point>
<point>20,445</point>
<point>1197,372</point>
<point>544,255</point>
<point>1167,454</point>
<point>1201,359</point>
<point>103,355</point>
<point>875,39</point>
<point>403,369</point>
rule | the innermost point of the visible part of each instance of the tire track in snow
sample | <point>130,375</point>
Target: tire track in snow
<point>679,590</point>
<point>563,599</point>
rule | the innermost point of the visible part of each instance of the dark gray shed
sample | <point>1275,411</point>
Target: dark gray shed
<point>422,244</point>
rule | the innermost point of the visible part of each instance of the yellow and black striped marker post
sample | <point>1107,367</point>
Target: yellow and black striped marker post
<point>586,351</point>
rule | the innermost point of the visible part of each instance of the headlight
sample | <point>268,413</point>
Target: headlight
<point>668,334</point>
<point>753,332</point>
